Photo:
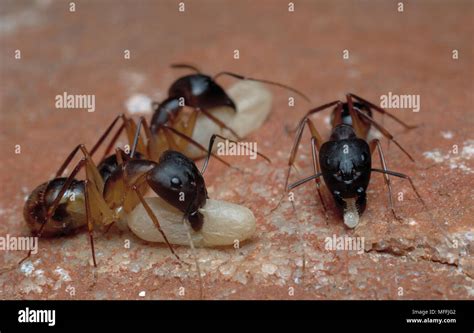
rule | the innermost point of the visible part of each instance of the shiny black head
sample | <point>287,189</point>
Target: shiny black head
<point>177,180</point>
<point>200,91</point>
<point>346,165</point>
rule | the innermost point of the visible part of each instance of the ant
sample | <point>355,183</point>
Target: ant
<point>345,159</point>
<point>201,93</point>
<point>113,189</point>
<point>109,194</point>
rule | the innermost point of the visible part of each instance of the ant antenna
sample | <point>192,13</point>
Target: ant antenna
<point>304,180</point>
<point>135,139</point>
<point>240,77</point>
<point>187,66</point>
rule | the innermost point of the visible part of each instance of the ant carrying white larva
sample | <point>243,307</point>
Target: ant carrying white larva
<point>345,159</point>
<point>113,191</point>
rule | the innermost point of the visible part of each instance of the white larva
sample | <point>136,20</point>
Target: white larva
<point>351,215</point>
<point>224,223</point>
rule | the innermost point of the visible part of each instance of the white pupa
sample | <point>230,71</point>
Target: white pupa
<point>224,223</point>
<point>253,102</point>
<point>351,215</point>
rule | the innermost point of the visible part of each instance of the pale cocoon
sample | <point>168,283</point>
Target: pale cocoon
<point>253,102</point>
<point>224,223</point>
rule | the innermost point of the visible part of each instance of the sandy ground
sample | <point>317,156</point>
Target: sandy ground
<point>427,255</point>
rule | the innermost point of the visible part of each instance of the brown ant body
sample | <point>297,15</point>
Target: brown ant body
<point>345,159</point>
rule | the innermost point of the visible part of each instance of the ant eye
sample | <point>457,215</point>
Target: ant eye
<point>363,157</point>
<point>175,182</point>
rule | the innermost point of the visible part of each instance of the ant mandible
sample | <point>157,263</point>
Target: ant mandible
<point>345,159</point>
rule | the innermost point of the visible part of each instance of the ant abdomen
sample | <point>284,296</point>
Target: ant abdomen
<point>68,216</point>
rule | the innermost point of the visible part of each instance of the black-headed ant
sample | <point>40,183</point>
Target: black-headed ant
<point>345,159</point>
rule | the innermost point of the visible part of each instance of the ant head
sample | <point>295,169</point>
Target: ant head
<point>178,181</point>
<point>68,216</point>
<point>346,166</point>
<point>200,91</point>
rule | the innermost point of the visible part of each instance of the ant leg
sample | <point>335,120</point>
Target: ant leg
<point>196,144</point>
<point>375,143</point>
<point>218,122</point>
<point>94,149</point>
<point>317,169</point>
<point>337,115</point>
<point>170,140</point>
<point>211,144</point>
<point>360,128</point>
<point>152,149</point>
<point>137,138</point>
<point>296,143</point>
<point>93,189</point>
<point>241,77</point>
<point>382,111</point>
<point>90,226</point>
<point>113,141</point>
<point>186,127</point>
<point>401,175</point>
<point>384,132</point>
<point>131,129</point>
<point>92,173</point>
<point>152,215</point>
<point>196,261</point>
<point>299,134</point>
<point>304,180</point>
